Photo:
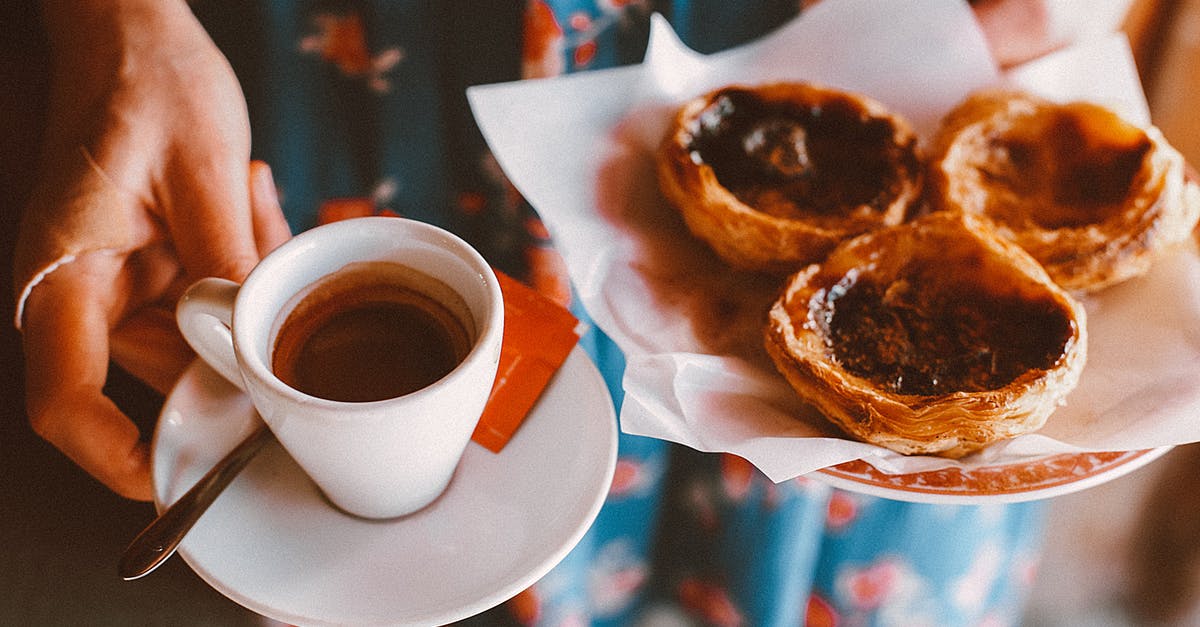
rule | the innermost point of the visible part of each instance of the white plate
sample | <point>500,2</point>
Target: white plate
<point>272,543</point>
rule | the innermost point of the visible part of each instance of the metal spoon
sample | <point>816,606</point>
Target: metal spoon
<point>159,540</point>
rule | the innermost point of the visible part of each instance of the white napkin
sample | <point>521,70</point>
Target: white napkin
<point>580,148</point>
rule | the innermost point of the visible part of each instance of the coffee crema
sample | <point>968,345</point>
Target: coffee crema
<point>371,331</point>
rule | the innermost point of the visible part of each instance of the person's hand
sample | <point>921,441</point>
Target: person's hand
<point>1016,30</point>
<point>145,185</point>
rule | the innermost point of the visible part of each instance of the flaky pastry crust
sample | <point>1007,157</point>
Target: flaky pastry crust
<point>933,337</point>
<point>1091,196</point>
<point>772,177</point>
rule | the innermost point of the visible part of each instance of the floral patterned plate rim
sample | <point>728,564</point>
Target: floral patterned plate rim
<point>1043,477</point>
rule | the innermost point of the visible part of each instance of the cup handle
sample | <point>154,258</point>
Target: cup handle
<point>204,316</point>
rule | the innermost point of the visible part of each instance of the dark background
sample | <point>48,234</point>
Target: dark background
<point>62,532</point>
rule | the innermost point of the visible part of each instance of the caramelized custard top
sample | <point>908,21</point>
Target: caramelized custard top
<point>956,336</point>
<point>1077,163</point>
<point>824,158</point>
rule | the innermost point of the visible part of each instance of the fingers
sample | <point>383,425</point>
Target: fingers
<point>209,218</point>
<point>224,226</point>
<point>66,358</point>
<point>103,307</point>
<point>149,346</point>
<point>1016,30</point>
<point>270,227</point>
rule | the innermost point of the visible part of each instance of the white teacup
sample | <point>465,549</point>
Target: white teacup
<point>372,458</point>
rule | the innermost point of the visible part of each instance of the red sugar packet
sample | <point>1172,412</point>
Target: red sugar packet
<point>539,333</point>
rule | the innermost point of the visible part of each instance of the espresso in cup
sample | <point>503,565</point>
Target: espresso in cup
<point>371,331</point>
<point>367,309</point>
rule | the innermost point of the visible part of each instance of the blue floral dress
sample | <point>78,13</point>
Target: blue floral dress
<point>361,103</point>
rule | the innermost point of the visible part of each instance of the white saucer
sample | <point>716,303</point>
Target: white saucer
<point>272,543</point>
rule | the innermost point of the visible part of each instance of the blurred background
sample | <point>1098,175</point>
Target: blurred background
<point>1094,544</point>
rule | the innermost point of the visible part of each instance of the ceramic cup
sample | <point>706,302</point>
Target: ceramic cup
<point>375,459</point>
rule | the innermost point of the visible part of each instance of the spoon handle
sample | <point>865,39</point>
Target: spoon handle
<point>159,540</point>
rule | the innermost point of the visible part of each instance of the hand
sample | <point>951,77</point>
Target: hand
<point>1016,30</point>
<point>146,184</point>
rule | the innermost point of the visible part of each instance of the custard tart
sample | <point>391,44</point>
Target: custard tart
<point>772,177</point>
<point>936,337</point>
<point>1092,197</point>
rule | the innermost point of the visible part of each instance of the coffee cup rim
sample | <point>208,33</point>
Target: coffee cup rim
<point>490,327</point>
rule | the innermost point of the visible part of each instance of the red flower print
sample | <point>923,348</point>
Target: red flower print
<point>972,589</point>
<point>1025,570</point>
<point>547,269</point>
<point>526,607</point>
<point>615,577</point>
<point>701,502</point>
<point>820,613</point>
<point>710,602</point>
<point>737,476</point>
<point>580,21</point>
<point>628,477</point>
<point>537,229</point>
<point>342,41</point>
<point>618,5</point>
<point>584,54</point>
<point>542,49</point>
<point>805,483</point>
<point>472,203</point>
<point>337,209</point>
<point>574,619</point>
<point>869,587</point>
<point>842,510</point>
<point>992,620</point>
